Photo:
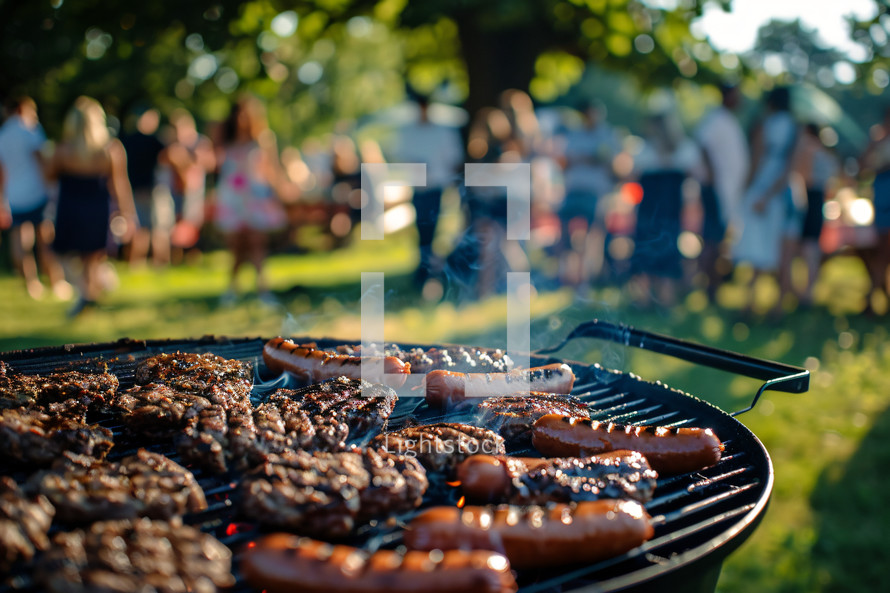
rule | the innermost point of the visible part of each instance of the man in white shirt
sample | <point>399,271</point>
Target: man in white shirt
<point>441,149</point>
<point>727,161</point>
<point>23,196</point>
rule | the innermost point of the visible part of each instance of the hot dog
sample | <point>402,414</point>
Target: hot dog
<point>445,387</point>
<point>530,480</point>
<point>535,537</point>
<point>284,563</point>
<point>311,365</point>
<point>669,450</point>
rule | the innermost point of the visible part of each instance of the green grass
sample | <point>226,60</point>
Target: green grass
<point>826,527</point>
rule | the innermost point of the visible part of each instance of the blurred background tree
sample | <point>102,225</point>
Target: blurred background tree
<point>321,61</point>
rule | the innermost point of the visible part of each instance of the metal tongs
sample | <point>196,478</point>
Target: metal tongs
<point>777,376</point>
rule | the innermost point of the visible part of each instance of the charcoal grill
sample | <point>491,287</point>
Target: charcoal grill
<point>699,518</point>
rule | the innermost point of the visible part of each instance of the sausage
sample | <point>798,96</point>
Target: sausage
<point>487,478</point>
<point>446,387</point>
<point>669,450</point>
<point>311,365</point>
<point>535,537</point>
<point>525,480</point>
<point>285,563</point>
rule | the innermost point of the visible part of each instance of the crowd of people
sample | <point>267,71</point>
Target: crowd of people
<point>662,211</point>
<point>140,195</point>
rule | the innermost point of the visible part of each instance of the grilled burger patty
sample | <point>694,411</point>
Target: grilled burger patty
<point>321,417</point>
<point>513,415</point>
<point>146,484</point>
<point>135,555</point>
<point>330,494</point>
<point>195,373</point>
<point>361,405</point>
<point>172,389</point>
<point>24,522</point>
<point>33,438</point>
<point>68,393</point>
<point>440,447</point>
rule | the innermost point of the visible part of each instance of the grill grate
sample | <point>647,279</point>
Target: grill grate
<point>694,515</point>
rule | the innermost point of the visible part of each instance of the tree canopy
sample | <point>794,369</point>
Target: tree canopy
<point>321,60</point>
<point>317,62</point>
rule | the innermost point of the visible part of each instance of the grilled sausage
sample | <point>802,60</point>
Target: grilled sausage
<point>669,450</point>
<point>533,480</point>
<point>535,537</point>
<point>312,365</point>
<point>445,387</point>
<point>284,563</point>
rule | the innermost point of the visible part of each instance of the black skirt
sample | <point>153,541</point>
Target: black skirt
<point>82,214</point>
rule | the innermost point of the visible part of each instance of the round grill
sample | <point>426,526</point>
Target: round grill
<point>699,518</point>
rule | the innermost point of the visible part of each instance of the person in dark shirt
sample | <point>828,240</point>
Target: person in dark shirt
<point>143,148</point>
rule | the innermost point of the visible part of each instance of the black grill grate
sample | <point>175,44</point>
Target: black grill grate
<point>698,517</point>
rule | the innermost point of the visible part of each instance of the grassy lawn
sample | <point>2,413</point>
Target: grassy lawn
<point>826,527</point>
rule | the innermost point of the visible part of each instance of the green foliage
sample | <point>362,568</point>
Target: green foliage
<point>343,59</point>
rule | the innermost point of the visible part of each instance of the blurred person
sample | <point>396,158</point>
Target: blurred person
<point>667,160</point>
<point>485,254</point>
<point>725,156</point>
<point>247,204</point>
<point>525,132</point>
<point>440,148</point>
<point>143,148</point>
<point>876,159</point>
<point>190,157</point>
<point>346,179</point>
<point>24,198</point>
<point>813,167</point>
<point>767,214</point>
<point>91,169</point>
<point>588,176</point>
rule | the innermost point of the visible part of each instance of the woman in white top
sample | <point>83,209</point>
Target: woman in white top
<point>767,206</point>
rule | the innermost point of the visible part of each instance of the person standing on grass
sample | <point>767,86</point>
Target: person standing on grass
<point>725,154</point>
<point>143,148</point>
<point>440,148</point>
<point>247,206</point>
<point>813,168</point>
<point>667,160</point>
<point>190,157</point>
<point>91,169</point>
<point>587,156</point>
<point>767,205</point>
<point>24,198</point>
<point>876,159</point>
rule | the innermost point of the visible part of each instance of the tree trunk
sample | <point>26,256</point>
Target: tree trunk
<point>496,60</point>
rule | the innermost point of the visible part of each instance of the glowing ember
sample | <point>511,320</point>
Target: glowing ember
<point>233,528</point>
<point>251,545</point>
<point>454,484</point>
<point>461,502</point>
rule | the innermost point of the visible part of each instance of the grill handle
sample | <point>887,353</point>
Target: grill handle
<point>776,375</point>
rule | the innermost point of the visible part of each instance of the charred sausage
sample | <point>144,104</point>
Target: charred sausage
<point>445,387</point>
<point>535,537</point>
<point>533,480</point>
<point>284,563</point>
<point>311,365</point>
<point>669,450</point>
